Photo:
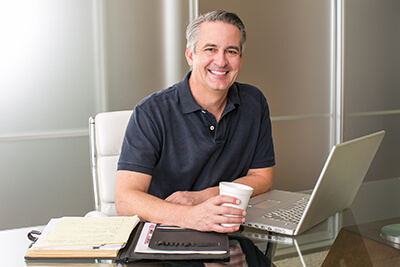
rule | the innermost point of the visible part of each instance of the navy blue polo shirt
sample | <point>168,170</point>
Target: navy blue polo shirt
<point>181,145</point>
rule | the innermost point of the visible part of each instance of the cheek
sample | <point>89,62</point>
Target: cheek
<point>236,64</point>
<point>202,61</point>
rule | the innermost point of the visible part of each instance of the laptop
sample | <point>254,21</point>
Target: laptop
<point>291,213</point>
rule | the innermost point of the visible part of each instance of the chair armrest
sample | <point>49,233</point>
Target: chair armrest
<point>95,213</point>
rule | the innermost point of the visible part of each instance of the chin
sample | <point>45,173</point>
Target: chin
<point>219,88</point>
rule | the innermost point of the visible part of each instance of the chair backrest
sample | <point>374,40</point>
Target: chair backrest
<point>106,132</point>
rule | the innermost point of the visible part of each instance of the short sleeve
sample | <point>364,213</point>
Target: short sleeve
<point>141,145</point>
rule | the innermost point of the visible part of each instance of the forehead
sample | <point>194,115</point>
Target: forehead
<point>219,33</point>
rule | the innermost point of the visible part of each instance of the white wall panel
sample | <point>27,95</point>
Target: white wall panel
<point>48,83</point>
<point>61,62</point>
<point>47,68</point>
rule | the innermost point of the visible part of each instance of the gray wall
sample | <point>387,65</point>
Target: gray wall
<point>62,62</point>
<point>144,48</point>
<point>56,71</point>
<point>372,78</point>
<point>289,57</point>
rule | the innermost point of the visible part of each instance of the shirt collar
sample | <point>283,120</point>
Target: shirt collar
<point>190,105</point>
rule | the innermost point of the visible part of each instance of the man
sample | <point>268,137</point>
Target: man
<point>182,141</point>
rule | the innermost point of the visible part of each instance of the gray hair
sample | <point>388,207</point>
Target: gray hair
<point>192,30</point>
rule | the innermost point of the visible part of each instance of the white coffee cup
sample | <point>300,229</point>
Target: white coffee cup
<point>240,191</point>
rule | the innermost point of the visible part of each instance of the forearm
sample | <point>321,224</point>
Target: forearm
<point>150,208</point>
<point>205,194</point>
<point>259,179</point>
<point>193,197</point>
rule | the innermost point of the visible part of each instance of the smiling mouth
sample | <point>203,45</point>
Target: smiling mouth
<point>218,72</point>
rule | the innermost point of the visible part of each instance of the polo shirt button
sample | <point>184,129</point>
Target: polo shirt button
<point>203,111</point>
<point>212,128</point>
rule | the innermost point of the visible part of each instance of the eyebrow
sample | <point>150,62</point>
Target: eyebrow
<point>234,47</point>
<point>208,45</point>
<point>229,47</point>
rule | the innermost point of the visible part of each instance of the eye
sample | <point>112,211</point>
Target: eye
<point>232,52</point>
<point>209,49</point>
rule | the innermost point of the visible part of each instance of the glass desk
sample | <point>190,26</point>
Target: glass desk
<point>349,238</point>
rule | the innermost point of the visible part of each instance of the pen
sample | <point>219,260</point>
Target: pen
<point>98,247</point>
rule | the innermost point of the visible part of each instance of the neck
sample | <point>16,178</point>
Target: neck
<point>216,108</point>
<point>213,102</point>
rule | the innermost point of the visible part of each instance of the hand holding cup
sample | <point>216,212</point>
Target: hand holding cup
<point>240,191</point>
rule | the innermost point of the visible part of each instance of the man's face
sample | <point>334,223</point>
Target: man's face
<point>216,61</point>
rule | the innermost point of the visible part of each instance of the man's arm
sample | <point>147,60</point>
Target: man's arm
<point>259,179</point>
<point>131,198</point>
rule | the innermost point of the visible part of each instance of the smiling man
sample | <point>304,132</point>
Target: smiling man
<point>182,141</point>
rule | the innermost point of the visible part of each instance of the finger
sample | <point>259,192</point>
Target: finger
<point>231,220</point>
<point>220,199</point>
<point>182,201</point>
<point>229,210</point>
<point>225,229</point>
<point>172,197</point>
<point>238,259</point>
<point>234,249</point>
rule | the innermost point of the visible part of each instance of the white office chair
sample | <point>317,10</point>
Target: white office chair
<point>106,132</point>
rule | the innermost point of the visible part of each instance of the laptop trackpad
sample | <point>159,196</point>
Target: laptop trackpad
<point>266,204</point>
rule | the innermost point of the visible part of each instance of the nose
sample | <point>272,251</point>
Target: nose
<point>220,59</point>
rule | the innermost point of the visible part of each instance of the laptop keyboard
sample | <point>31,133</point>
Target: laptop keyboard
<point>290,214</point>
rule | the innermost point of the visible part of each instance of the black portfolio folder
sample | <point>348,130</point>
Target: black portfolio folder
<point>178,239</point>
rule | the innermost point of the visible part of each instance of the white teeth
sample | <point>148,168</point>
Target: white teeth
<point>218,72</point>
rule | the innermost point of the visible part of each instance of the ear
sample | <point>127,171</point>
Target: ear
<point>189,56</point>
